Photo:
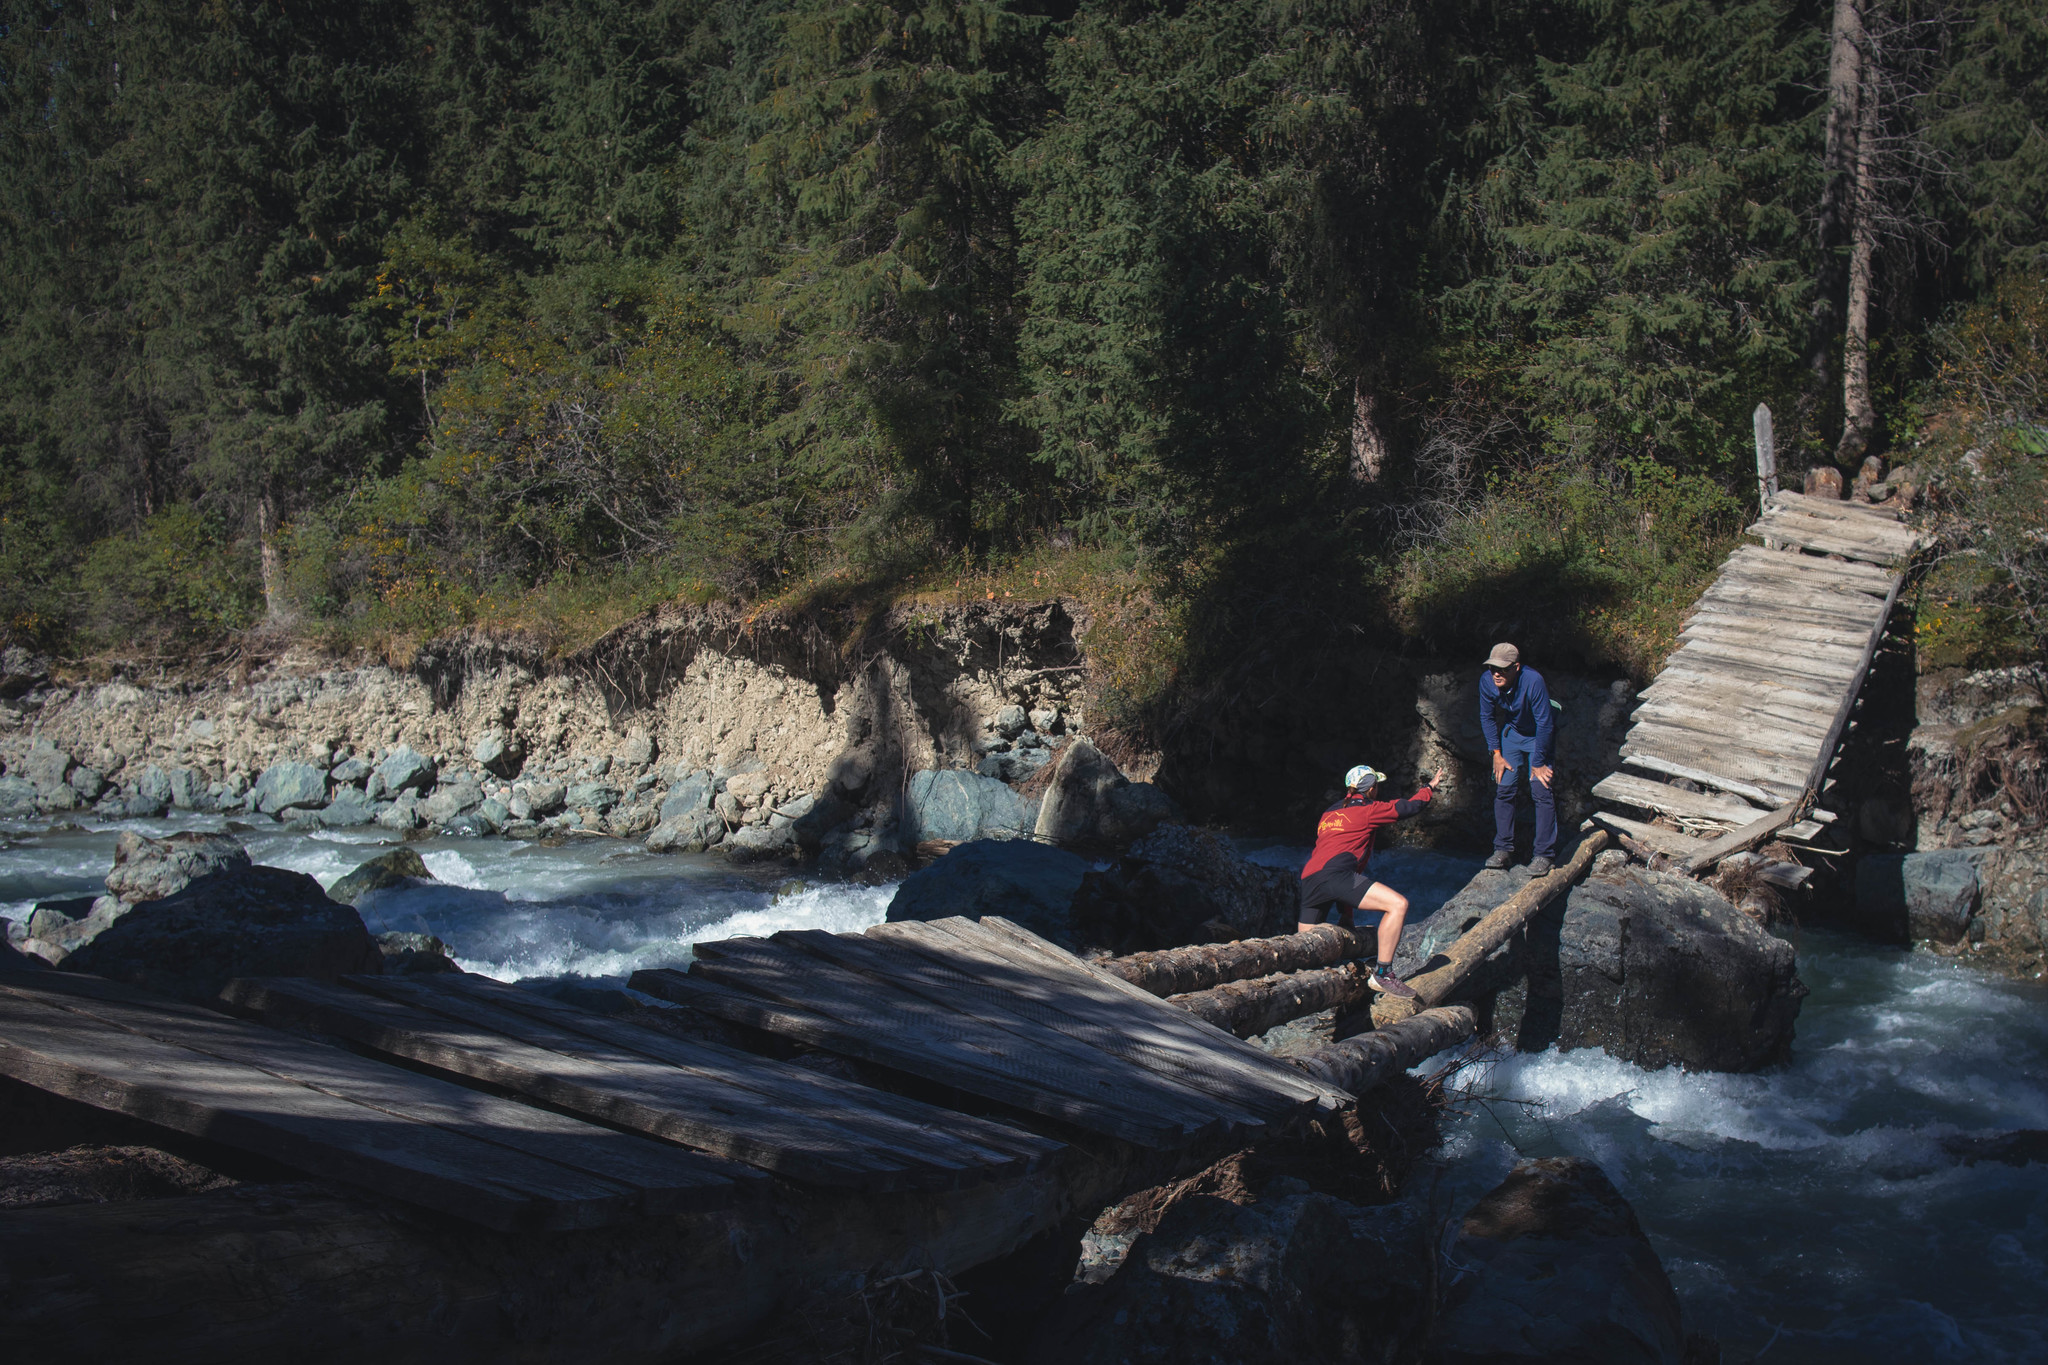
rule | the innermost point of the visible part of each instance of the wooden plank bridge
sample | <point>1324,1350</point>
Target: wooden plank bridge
<point>1732,741</point>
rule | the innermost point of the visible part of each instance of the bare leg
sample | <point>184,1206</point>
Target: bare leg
<point>1393,908</point>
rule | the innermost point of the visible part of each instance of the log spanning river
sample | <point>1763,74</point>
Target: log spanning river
<point>1824,1212</point>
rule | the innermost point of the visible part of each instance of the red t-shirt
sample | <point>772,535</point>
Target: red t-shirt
<point>1344,834</point>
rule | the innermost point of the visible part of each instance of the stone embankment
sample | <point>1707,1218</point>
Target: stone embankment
<point>689,729</point>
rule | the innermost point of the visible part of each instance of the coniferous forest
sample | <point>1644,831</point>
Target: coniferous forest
<point>1418,319</point>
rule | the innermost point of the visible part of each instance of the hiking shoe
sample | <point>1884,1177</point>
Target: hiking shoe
<point>1539,866</point>
<point>1499,860</point>
<point>1386,983</point>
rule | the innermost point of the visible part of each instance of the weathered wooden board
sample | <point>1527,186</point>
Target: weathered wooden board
<point>410,1137</point>
<point>1110,1024</point>
<point>1831,649</point>
<point>1655,837</point>
<point>1007,933</point>
<point>1773,630</point>
<point>822,1144</point>
<point>814,1090</point>
<point>1768,771</point>
<point>1691,772</point>
<point>1834,507</point>
<point>997,1081</point>
<point>1791,566</point>
<point>1628,789</point>
<point>952,984</point>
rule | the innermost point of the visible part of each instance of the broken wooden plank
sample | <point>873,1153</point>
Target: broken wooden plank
<point>1818,773</point>
<point>1655,837</point>
<point>1830,507</point>
<point>1742,840</point>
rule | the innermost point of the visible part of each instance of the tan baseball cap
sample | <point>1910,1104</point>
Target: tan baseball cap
<point>1504,656</point>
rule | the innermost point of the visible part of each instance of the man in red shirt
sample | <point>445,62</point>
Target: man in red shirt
<point>1334,880</point>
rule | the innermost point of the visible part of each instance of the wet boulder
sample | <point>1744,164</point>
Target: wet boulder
<point>401,867</point>
<point>1921,896</point>
<point>957,807</point>
<point>348,808</point>
<point>1019,879</point>
<point>189,790</point>
<point>46,768</point>
<point>253,921</point>
<point>1561,1274</point>
<point>149,869</point>
<point>597,796</point>
<point>1272,1281</point>
<point>1654,968</point>
<point>758,843</point>
<point>287,786</point>
<point>415,955</point>
<point>688,831</point>
<point>542,798</point>
<point>1181,885</point>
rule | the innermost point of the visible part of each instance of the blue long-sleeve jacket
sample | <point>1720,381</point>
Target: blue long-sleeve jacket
<point>1523,708</point>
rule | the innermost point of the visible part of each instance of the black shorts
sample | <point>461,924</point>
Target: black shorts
<point>1336,892</point>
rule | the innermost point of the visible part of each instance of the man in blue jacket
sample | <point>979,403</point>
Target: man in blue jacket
<point>1515,713</point>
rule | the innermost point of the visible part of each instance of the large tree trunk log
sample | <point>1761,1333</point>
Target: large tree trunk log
<point>1246,1008</point>
<point>1176,971</point>
<point>1435,986</point>
<point>1361,1063</point>
<point>1859,412</point>
<point>1837,186</point>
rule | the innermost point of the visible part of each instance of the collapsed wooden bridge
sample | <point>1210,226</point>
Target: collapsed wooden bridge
<point>916,1096</point>
<point>1733,740</point>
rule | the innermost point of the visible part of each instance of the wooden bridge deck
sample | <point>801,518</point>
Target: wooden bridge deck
<point>515,1111</point>
<point>1752,706</point>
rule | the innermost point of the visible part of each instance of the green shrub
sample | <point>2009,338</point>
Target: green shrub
<point>1574,564</point>
<point>177,578</point>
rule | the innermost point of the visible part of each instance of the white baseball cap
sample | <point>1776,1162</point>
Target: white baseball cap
<point>1364,775</point>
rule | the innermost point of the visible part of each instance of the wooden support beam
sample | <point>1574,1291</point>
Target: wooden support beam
<point>1359,1064</point>
<point>1435,986</point>
<point>1178,971</point>
<point>1247,1008</point>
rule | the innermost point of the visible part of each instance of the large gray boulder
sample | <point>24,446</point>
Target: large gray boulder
<point>348,808</point>
<point>1564,1276</point>
<point>1090,802</point>
<point>689,831</point>
<point>404,769</point>
<point>287,786</point>
<point>254,921</point>
<point>758,843</point>
<point>45,767</point>
<point>401,867</point>
<point>597,796</point>
<point>956,806</point>
<point>1182,885</point>
<point>499,754</point>
<point>692,793</point>
<point>449,800</point>
<point>149,869</point>
<point>1278,1281</point>
<point>542,798</point>
<point>1019,879</point>
<point>17,797</point>
<point>1654,968</point>
<point>1930,896</point>
<point>189,790</point>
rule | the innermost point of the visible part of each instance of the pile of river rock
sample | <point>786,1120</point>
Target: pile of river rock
<point>859,823</point>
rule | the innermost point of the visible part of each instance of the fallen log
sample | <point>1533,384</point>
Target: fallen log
<point>1179,971</point>
<point>1246,1008</point>
<point>1358,1064</point>
<point>1433,987</point>
<point>1746,838</point>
